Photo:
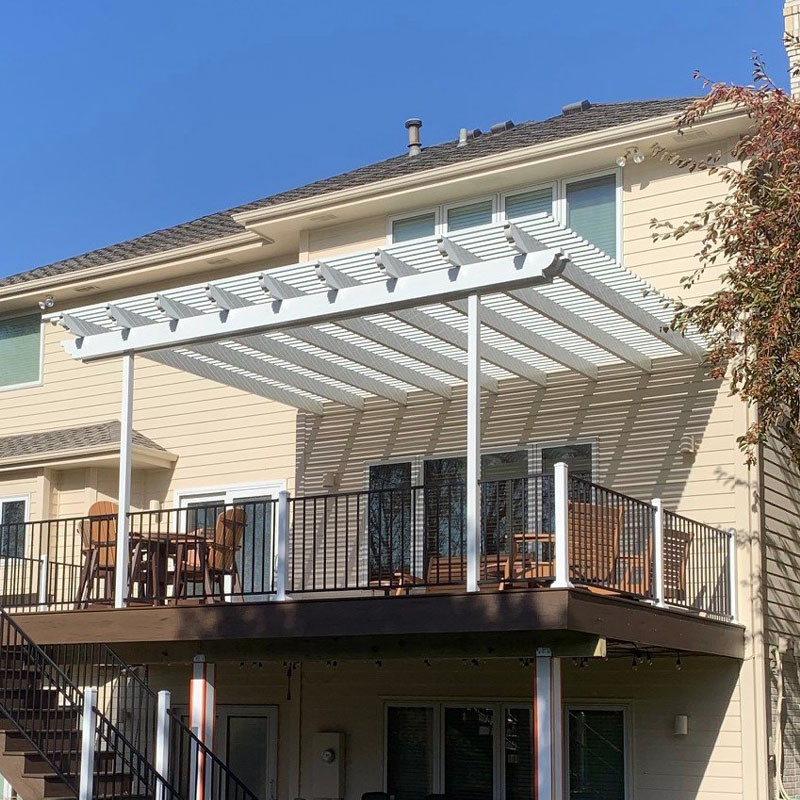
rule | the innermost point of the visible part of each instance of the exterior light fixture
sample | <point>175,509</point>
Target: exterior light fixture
<point>636,155</point>
<point>622,161</point>
<point>47,303</point>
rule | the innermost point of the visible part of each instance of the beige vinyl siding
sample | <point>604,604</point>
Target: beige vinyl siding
<point>221,435</point>
<point>345,238</point>
<point>637,421</point>
<point>781,491</point>
<point>781,523</point>
<point>655,189</point>
<point>350,698</point>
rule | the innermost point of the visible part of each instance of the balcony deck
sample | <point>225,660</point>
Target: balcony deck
<point>397,545</point>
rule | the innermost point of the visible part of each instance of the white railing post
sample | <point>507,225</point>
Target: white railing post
<point>473,499</point>
<point>561,524</point>
<point>282,547</point>
<point>732,579</point>
<point>124,491</point>
<point>162,742</point>
<point>88,729</point>
<point>658,550</point>
<point>44,574</point>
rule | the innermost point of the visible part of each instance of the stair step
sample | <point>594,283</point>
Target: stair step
<point>58,741</point>
<point>33,723</point>
<point>40,697</point>
<point>37,766</point>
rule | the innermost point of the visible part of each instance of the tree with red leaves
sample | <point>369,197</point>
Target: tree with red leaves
<point>752,322</point>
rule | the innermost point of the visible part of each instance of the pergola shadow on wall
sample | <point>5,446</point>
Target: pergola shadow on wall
<point>523,299</point>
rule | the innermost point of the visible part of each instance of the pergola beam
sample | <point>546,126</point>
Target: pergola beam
<point>497,275</point>
<point>596,289</point>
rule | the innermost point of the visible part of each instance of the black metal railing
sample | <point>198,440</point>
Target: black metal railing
<point>387,541</point>
<point>611,539</point>
<point>125,697</point>
<point>46,707</point>
<point>697,569</point>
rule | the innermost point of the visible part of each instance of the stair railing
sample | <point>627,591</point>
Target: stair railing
<point>128,700</point>
<point>46,707</point>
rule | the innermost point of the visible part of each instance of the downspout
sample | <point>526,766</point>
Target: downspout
<point>777,655</point>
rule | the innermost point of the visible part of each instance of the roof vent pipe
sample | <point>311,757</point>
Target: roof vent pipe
<point>413,125</point>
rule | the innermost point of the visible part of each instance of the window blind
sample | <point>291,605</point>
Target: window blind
<point>527,203</point>
<point>403,230</point>
<point>409,753</point>
<point>592,211</point>
<point>20,349</point>
<point>469,216</point>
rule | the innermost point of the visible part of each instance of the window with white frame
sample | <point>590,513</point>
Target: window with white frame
<point>591,211</point>
<point>13,511</point>
<point>20,350</point>
<point>587,205</point>
<point>416,227</point>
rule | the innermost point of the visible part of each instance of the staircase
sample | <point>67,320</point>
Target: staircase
<point>41,732</point>
<point>41,709</point>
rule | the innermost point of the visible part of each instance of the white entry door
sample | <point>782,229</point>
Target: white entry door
<point>246,737</point>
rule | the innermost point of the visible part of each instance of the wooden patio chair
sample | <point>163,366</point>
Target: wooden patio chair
<point>676,558</point>
<point>98,550</point>
<point>444,574</point>
<point>525,568</point>
<point>200,558</point>
<point>594,545</point>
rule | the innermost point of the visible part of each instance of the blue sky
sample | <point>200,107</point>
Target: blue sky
<point>122,118</point>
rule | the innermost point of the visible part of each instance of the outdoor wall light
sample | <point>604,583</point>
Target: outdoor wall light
<point>633,153</point>
<point>680,726</point>
<point>47,303</point>
<point>329,755</point>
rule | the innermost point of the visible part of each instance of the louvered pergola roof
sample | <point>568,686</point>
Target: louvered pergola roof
<point>392,321</point>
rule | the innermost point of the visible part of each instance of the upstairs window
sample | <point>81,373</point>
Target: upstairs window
<point>592,211</point>
<point>524,204</point>
<point>417,227</point>
<point>20,350</point>
<point>469,216</point>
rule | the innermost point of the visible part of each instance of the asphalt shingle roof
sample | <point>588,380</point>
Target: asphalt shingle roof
<point>85,437</point>
<point>220,224</point>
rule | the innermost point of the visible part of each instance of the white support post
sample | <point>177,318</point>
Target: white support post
<point>547,740</point>
<point>44,574</point>
<point>561,524</point>
<point>473,441</point>
<point>124,494</point>
<point>282,548</point>
<point>162,742</point>
<point>732,574</point>
<point>202,715</point>
<point>88,729</point>
<point>658,558</point>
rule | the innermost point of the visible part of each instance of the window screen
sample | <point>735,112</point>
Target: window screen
<point>409,753</point>
<point>404,230</point>
<point>527,203</point>
<point>12,528</point>
<point>592,211</point>
<point>469,216</point>
<point>20,349</point>
<point>596,754</point>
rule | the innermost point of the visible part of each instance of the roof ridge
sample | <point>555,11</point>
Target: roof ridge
<point>219,224</point>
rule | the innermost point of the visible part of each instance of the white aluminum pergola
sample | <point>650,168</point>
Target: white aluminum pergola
<point>526,298</point>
